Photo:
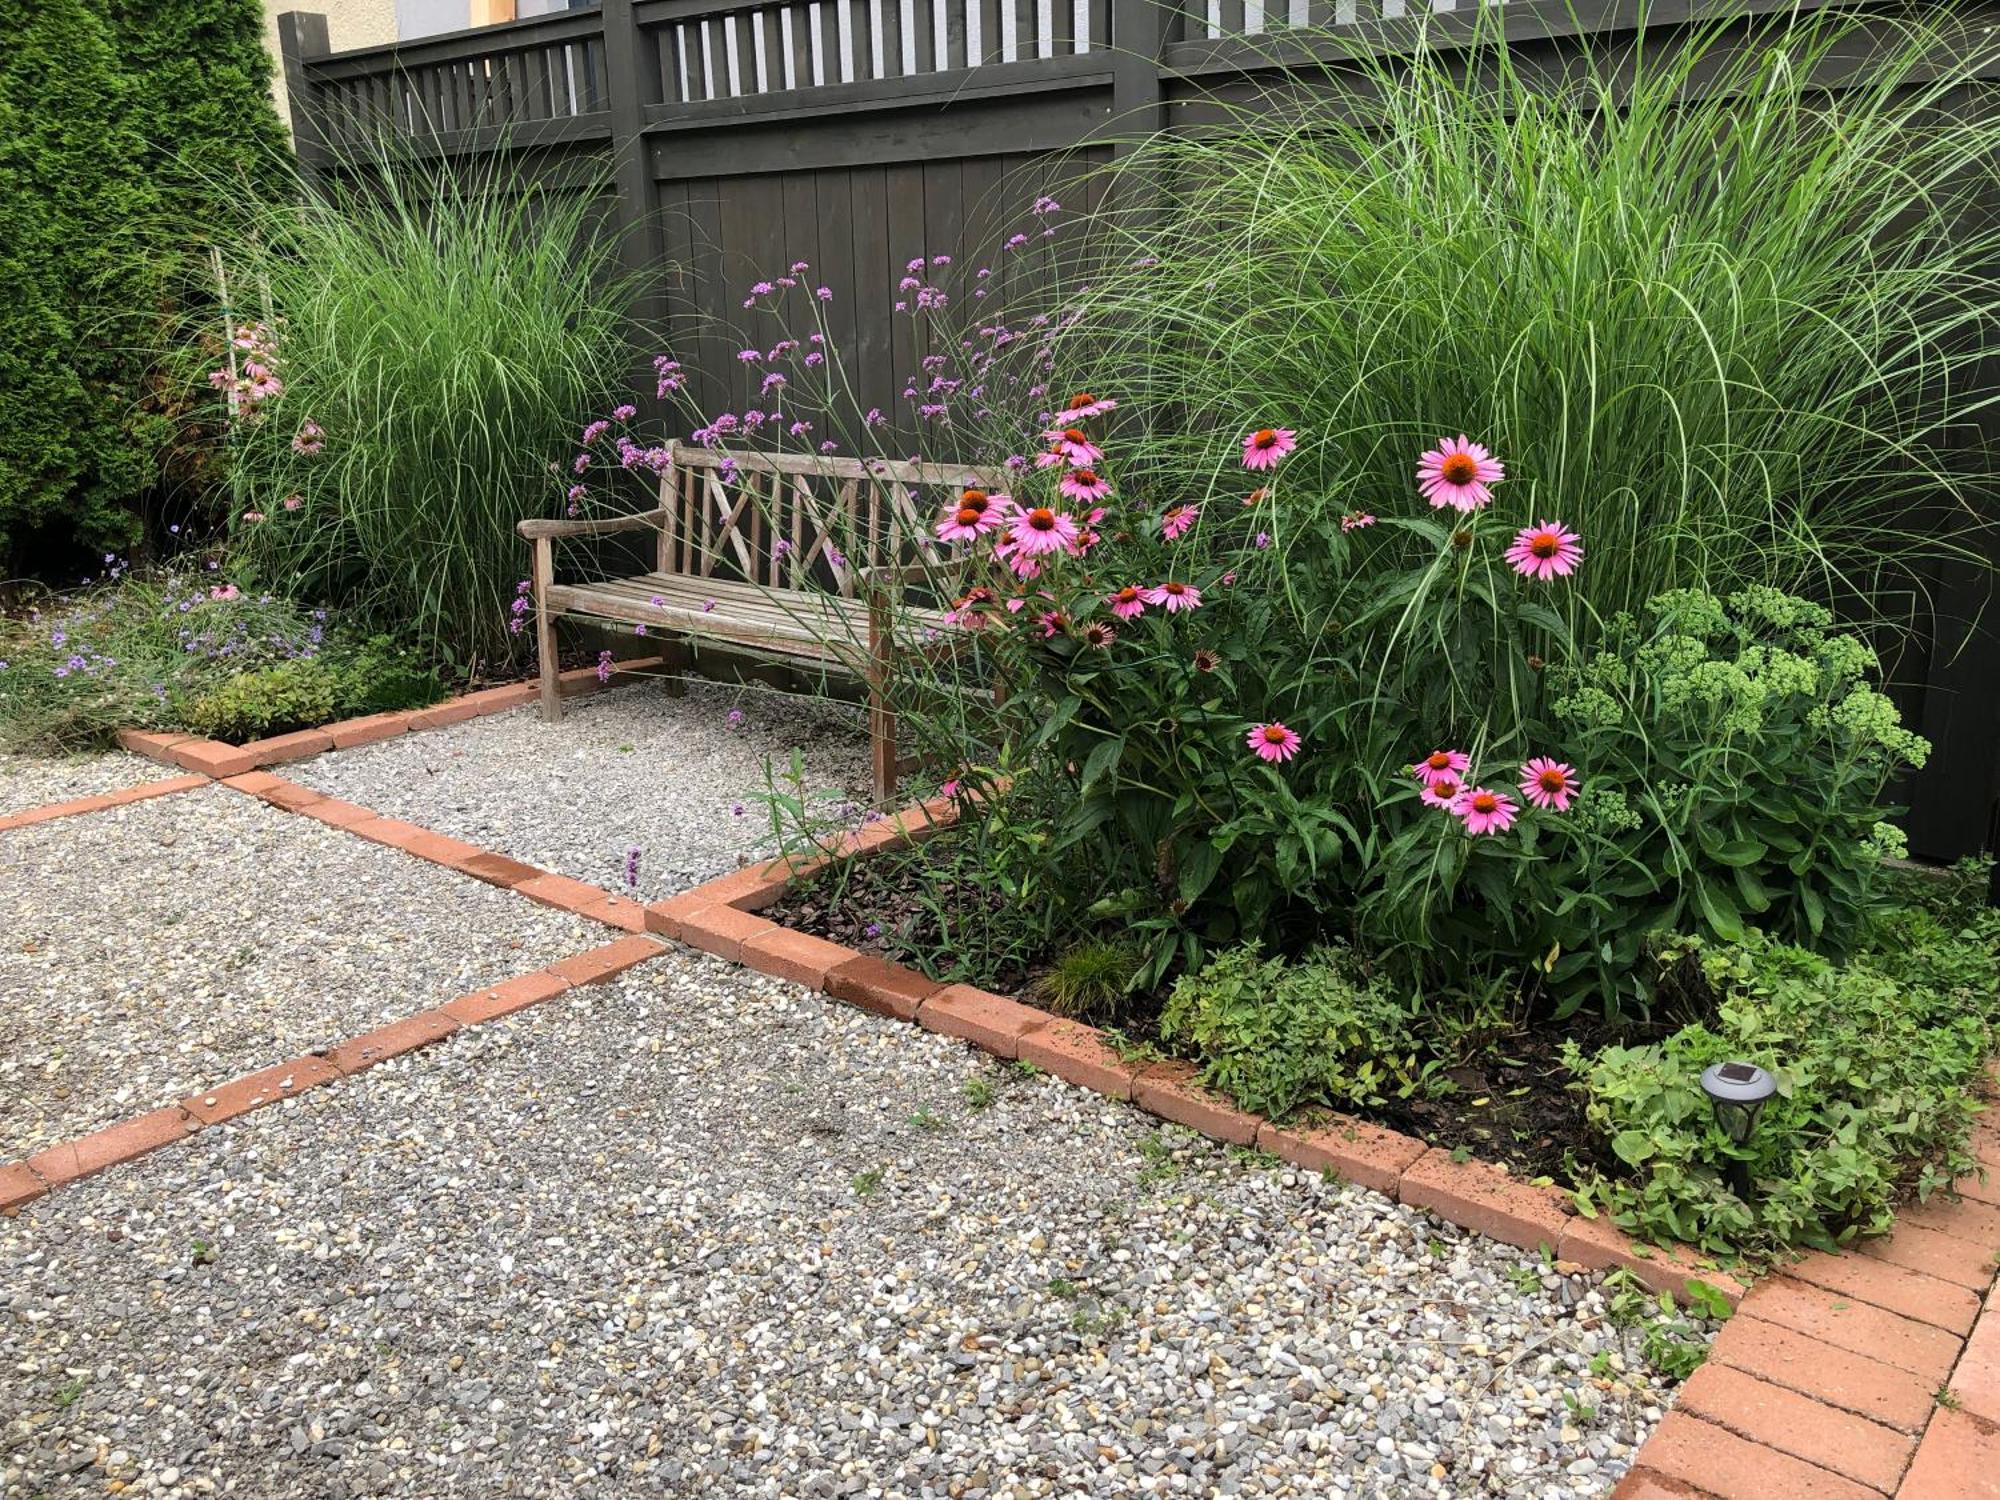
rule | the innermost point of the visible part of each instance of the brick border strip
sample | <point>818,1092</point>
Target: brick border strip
<point>145,791</point>
<point>57,1166</point>
<point>221,760</point>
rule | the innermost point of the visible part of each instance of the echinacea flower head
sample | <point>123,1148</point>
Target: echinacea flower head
<point>1206,661</point>
<point>1484,811</point>
<point>1099,636</point>
<point>1084,484</point>
<point>1069,445</point>
<point>1174,525</point>
<point>1452,763</point>
<point>1041,530</point>
<point>1127,603</point>
<point>976,513</point>
<point>1441,791</point>
<point>1459,473</point>
<point>1545,551</point>
<point>1356,520</point>
<point>1550,783</point>
<point>1263,448</point>
<point>1173,597</point>
<point>1272,742</point>
<point>1083,406</point>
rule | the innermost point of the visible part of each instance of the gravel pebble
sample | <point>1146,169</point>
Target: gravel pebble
<point>630,768</point>
<point>167,946</point>
<point>699,1233</point>
<point>30,780</point>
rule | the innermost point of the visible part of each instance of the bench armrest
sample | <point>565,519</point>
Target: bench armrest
<point>534,530</point>
<point>915,572</point>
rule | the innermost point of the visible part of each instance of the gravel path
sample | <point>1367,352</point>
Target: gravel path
<point>675,778</point>
<point>698,1233</point>
<point>163,947</point>
<point>30,780</point>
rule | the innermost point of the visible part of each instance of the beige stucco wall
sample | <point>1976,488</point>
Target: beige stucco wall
<point>349,23</point>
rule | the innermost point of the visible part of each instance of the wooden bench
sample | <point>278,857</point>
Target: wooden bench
<point>791,555</point>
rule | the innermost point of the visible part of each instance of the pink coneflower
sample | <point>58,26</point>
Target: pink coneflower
<point>1172,597</point>
<point>293,502</point>
<point>1040,530</point>
<point>1206,661</point>
<point>1355,520</point>
<point>253,516</point>
<point>1255,495</point>
<point>1127,603</point>
<point>1084,485</point>
<point>1174,525</point>
<point>975,514</point>
<point>948,788</point>
<point>1452,763</point>
<point>1272,742</point>
<point>1264,447</point>
<point>1083,406</point>
<point>1458,474</point>
<point>1441,791</point>
<point>1099,636</point>
<point>1549,783</point>
<point>1545,551</point>
<point>1069,445</point>
<point>1483,811</point>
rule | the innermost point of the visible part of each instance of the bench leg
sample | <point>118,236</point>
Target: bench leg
<point>675,658</point>
<point>545,629</point>
<point>881,718</point>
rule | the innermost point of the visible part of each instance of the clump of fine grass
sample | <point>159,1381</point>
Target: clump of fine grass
<point>1722,321</point>
<point>1091,979</point>
<point>448,334</point>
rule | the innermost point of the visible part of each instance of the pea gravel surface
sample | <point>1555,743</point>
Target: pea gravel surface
<point>31,780</point>
<point>164,947</point>
<point>632,768</point>
<point>699,1233</point>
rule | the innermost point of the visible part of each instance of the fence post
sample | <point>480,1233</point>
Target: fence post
<point>302,40</point>
<point>1138,33</point>
<point>626,57</point>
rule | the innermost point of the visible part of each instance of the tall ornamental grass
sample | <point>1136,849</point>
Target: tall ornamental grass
<point>430,337</point>
<point>1724,323</point>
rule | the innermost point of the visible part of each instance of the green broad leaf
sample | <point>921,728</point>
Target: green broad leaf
<point>1198,868</point>
<point>1102,761</point>
<point>1719,911</point>
<point>1732,852</point>
<point>1633,1146</point>
<point>1815,908</point>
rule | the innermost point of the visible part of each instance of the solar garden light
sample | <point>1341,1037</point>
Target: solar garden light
<point>1738,1092</point>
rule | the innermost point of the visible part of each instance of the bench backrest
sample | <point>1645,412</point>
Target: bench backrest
<point>786,519</point>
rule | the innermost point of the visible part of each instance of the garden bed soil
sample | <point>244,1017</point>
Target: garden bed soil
<point>1512,1103</point>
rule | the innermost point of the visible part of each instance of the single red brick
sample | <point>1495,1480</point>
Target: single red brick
<point>751,888</point>
<point>1959,1459</point>
<point>1686,1448</point>
<point>1798,1425</point>
<point>561,892</point>
<point>1944,1256</point>
<point>1644,1484</point>
<point>1079,1054</point>
<point>1924,1351</point>
<point>596,965</point>
<point>1910,1293</point>
<point>153,744</point>
<point>256,783</point>
<point>1603,1246</point>
<point>337,814</point>
<point>18,1186</point>
<point>669,917</point>
<point>114,1144</point>
<point>1351,1149</point>
<point>146,791</point>
<point>722,930</point>
<point>212,758</point>
<point>875,984</point>
<point>1477,1196</point>
<point>369,729</point>
<point>507,997</point>
<point>282,749</point>
<point>1981,1187</point>
<point>495,700</point>
<point>442,715</point>
<point>617,911</point>
<point>497,869</point>
<point>1838,1377</point>
<point>49,811</point>
<point>393,1040</point>
<point>990,1021</point>
<point>1961,1218</point>
<point>391,831</point>
<point>440,849</point>
<point>239,1096</point>
<point>1168,1089</point>
<point>797,956</point>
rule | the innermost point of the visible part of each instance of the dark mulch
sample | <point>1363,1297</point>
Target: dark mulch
<point>1511,1103</point>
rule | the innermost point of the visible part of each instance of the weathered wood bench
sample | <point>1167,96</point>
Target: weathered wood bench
<point>791,555</point>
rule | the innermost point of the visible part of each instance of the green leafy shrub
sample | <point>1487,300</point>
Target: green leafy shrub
<point>270,700</point>
<point>1877,1063</point>
<point>1278,1035</point>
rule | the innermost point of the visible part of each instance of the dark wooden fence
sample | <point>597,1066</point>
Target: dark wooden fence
<point>738,137</point>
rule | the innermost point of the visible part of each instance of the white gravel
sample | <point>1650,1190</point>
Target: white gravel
<point>167,946</point>
<point>698,1233</point>
<point>30,780</point>
<point>631,768</point>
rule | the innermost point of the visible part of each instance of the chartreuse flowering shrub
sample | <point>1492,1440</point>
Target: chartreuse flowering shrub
<point>1877,1061</point>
